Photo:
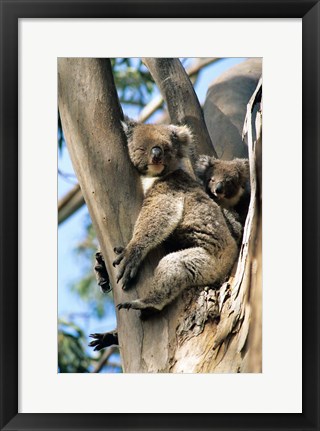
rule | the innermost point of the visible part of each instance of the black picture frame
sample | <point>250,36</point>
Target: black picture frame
<point>11,11</point>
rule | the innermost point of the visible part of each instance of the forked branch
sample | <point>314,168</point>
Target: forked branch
<point>180,97</point>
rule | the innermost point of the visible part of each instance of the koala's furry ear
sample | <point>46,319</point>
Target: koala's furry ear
<point>202,164</point>
<point>128,125</point>
<point>182,133</point>
<point>243,168</point>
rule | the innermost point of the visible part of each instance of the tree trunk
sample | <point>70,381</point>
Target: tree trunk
<point>90,115</point>
<point>180,97</point>
<point>185,336</point>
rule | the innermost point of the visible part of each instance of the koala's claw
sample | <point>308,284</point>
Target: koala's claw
<point>127,274</point>
<point>130,261</point>
<point>119,276</point>
<point>118,250</point>
<point>124,305</point>
<point>146,310</point>
<point>102,273</point>
<point>136,304</point>
<point>118,260</point>
<point>103,340</point>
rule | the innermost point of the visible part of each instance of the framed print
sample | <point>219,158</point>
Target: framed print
<point>47,50</point>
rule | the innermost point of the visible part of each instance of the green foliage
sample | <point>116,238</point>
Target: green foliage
<point>133,81</point>
<point>72,357</point>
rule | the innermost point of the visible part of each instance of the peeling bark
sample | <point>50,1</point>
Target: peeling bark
<point>223,331</point>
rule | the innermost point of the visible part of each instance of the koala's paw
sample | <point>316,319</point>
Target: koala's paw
<point>137,304</point>
<point>124,305</point>
<point>101,273</point>
<point>129,261</point>
<point>103,340</point>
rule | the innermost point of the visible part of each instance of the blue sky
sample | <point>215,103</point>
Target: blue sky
<point>70,232</point>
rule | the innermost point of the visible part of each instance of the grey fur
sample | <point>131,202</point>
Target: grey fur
<point>227,182</point>
<point>175,210</point>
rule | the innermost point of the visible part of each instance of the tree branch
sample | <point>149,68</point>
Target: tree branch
<point>182,102</point>
<point>104,359</point>
<point>90,115</point>
<point>70,203</point>
<point>157,102</point>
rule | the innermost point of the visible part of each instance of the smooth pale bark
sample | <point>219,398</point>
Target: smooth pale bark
<point>191,71</point>
<point>90,115</point>
<point>180,97</point>
<point>225,107</point>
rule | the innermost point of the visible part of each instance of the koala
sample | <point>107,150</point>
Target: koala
<point>176,211</point>
<point>227,183</point>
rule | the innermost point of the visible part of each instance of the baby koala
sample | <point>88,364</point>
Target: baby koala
<point>175,211</point>
<point>227,182</point>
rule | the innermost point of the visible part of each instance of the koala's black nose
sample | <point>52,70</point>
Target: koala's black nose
<point>156,153</point>
<point>219,188</point>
